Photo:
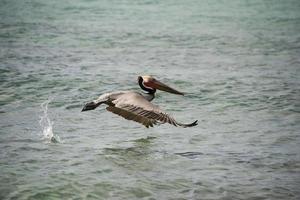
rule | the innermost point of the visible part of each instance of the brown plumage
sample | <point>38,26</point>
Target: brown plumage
<point>137,107</point>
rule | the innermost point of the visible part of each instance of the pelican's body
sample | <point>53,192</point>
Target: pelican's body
<point>136,106</point>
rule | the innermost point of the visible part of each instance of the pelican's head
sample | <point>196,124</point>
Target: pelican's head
<point>150,84</point>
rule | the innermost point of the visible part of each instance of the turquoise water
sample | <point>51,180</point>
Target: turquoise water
<point>238,62</point>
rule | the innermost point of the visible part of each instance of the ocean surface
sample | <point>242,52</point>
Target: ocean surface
<point>237,61</point>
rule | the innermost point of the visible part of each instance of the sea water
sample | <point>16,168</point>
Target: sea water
<point>237,62</point>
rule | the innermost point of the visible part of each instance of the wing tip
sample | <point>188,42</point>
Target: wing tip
<point>195,123</point>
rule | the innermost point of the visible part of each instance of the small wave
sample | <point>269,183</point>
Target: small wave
<point>190,154</point>
<point>47,125</point>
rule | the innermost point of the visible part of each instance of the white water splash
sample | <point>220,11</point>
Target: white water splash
<point>47,125</point>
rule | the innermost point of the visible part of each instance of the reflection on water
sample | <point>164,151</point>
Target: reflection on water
<point>136,155</point>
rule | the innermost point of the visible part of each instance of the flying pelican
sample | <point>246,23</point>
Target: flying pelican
<point>136,106</point>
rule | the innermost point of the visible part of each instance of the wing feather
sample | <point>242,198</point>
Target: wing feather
<point>134,106</point>
<point>131,116</point>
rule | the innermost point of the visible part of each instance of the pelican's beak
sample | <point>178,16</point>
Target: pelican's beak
<point>153,83</point>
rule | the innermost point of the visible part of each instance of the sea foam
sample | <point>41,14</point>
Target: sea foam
<point>47,125</point>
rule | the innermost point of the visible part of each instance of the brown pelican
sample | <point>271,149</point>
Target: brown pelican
<point>136,106</point>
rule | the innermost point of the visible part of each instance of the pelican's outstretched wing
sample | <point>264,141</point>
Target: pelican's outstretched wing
<point>132,116</point>
<point>134,106</point>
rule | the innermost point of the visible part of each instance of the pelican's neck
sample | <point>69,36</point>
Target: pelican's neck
<point>149,96</point>
<point>149,90</point>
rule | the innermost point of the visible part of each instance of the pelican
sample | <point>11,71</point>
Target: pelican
<point>137,106</point>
